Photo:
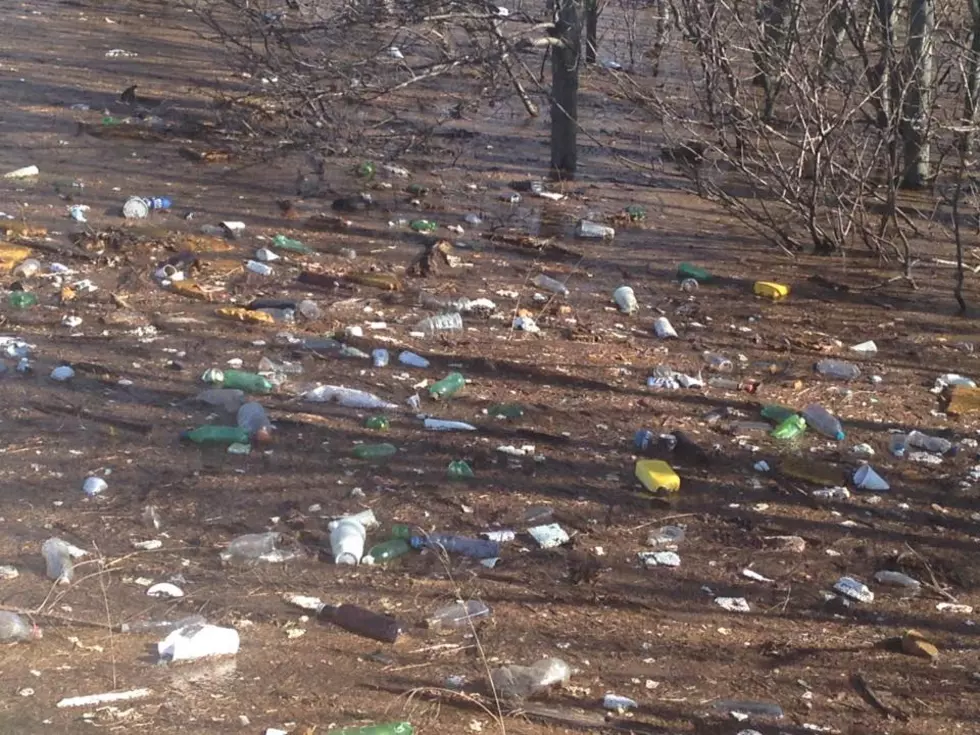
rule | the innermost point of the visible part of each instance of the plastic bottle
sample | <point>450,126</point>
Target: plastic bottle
<point>161,627</point>
<point>776,413</point>
<point>240,379</point>
<point>283,316</point>
<point>898,444</point>
<point>550,284</point>
<point>228,399</point>
<point>254,420</point>
<point>294,246</point>
<point>423,225</point>
<point>374,451</point>
<point>22,299</point>
<point>213,434</point>
<point>838,369</point>
<point>506,411</point>
<point>593,230</point>
<point>757,709</point>
<point>356,619</point>
<point>388,728</point>
<point>250,546</point>
<point>823,421</point>
<point>448,386</point>
<point>15,628</point>
<point>790,428</point>
<point>366,169</point>
<point>897,579</point>
<point>380,357</point>
<point>459,470</point>
<point>475,548</point>
<point>412,360</point>
<point>386,551</point>
<point>26,268</point>
<point>718,363</point>
<point>58,560</point>
<point>687,270</point>
<point>934,444</point>
<point>403,531</point>
<point>457,616</point>
<point>517,682</point>
<point>441,323</point>
<point>377,423</point>
<point>347,542</point>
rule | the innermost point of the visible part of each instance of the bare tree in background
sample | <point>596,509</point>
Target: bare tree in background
<point>565,61</point>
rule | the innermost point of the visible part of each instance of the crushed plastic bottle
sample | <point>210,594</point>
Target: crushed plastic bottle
<point>294,246</point>
<point>749,708</point>
<point>717,363</point>
<point>519,682</point>
<point>589,230</point>
<point>550,284</point>
<point>791,428</point>
<point>625,299</point>
<point>251,547</point>
<point>253,419</point>
<point>688,271</point>
<point>506,411</point>
<point>452,322</point>
<point>13,628</point>
<point>458,616</point>
<point>838,369</point>
<point>348,397</point>
<point>58,560</point>
<point>823,421</point>
<point>475,548</point>
<point>897,579</point>
<point>934,444</point>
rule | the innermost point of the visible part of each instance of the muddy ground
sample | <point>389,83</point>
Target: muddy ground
<point>654,635</point>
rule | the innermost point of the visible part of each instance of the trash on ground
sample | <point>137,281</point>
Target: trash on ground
<point>106,698</point>
<point>854,590</point>
<point>198,641</point>
<point>733,604</point>
<point>549,536</point>
<point>659,559</point>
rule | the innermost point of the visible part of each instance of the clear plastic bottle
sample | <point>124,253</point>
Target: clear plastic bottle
<point>823,421</point>
<point>13,627</point>
<point>749,707</point>
<point>838,369</point>
<point>518,682</point>
<point>476,548</point>
<point>934,444</point>
<point>898,444</point>
<point>58,560</point>
<point>253,419</point>
<point>380,357</point>
<point>441,323</point>
<point>897,579</point>
<point>458,616</point>
<point>718,363</point>
<point>250,547</point>
<point>550,284</point>
<point>412,360</point>
<point>161,627</point>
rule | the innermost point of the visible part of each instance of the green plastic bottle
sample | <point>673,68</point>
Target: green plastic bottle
<point>402,531</point>
<point>790,428</point>
<point>417,190</point>
<point>287,243</point>
<point>22,299</point>
<point>239,379</point>
<point>385,552</point>
<point>366,169</point>
<point>506,411</point>
<point>423,225</point>
<point>448,386</point>
<point>687,270</point>
<point>378,423</point>
<point>374,451</point>
<point>459,470</point>
<point>212,434</point>
<point>636,213</point>
<point>776,413</point>
<point>388,728</point>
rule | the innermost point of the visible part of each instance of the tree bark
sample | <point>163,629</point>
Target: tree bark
<point>917,102</point>
<point>591,30</point>
<point>565,60</point>
<point>775,19</point>
<point>971,105</point>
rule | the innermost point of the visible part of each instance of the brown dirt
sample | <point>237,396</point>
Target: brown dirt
<point>653,635</point>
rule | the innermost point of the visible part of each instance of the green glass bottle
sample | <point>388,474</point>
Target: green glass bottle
<point>385,552</point>
<point>687,270</point>
<point>459,470</point>
<point>506,411</point>
<point>388,728</point>
<point>423,225</point>
<point>790,428</point>
<point>378,423</point>
<point>212,434</point>
<point>22,299</point>
<point>374,451</point>
<point>776,413</point>
<point>403,531</point>
<point>287,243</point>
<point>239,379</point>
<point>448,386</point>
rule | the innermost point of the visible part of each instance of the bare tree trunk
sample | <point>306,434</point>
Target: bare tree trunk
<point>662,34</point>
<point>591,30</point>
<point>775,19</point>
<point>565,60</point>
<point>972,102</point>
<point>917,102</point>
<point>834,35</point>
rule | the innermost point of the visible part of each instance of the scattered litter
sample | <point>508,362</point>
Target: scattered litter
<point>733,604</point>
<point>659,559</point>
<point>97,699</point>
<point>549,536</point>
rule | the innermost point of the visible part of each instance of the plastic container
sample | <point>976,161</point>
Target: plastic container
<point>193,642</point>
<point>212,434</point>
<point>448,386</point>
<point>823,421</point>
<point>240,379</point>
<point>347,542</point>
<point>475,548</point>
<point>375,451</point>
<point>294,246</point>
<point>838,369</point>
<point>58,560</point>
<point>386,551</point>
<point>898,444</point>
<point>136,208</point>
<point>518,682</point>
<point>790,428</point>
<point>362,622</point>
<point>656,476</point>
<point>625,299</point>
<point>13,627</point>
<point>27,268</point>
<point>717,363</point>
<point>589,230</point>
<point>550,284</point>
<point>770,290</point>
<point>251,546</point>
<point>380,357</point>
<point>255,421</point>
<point>458,616</point>
<point>441,323</point>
